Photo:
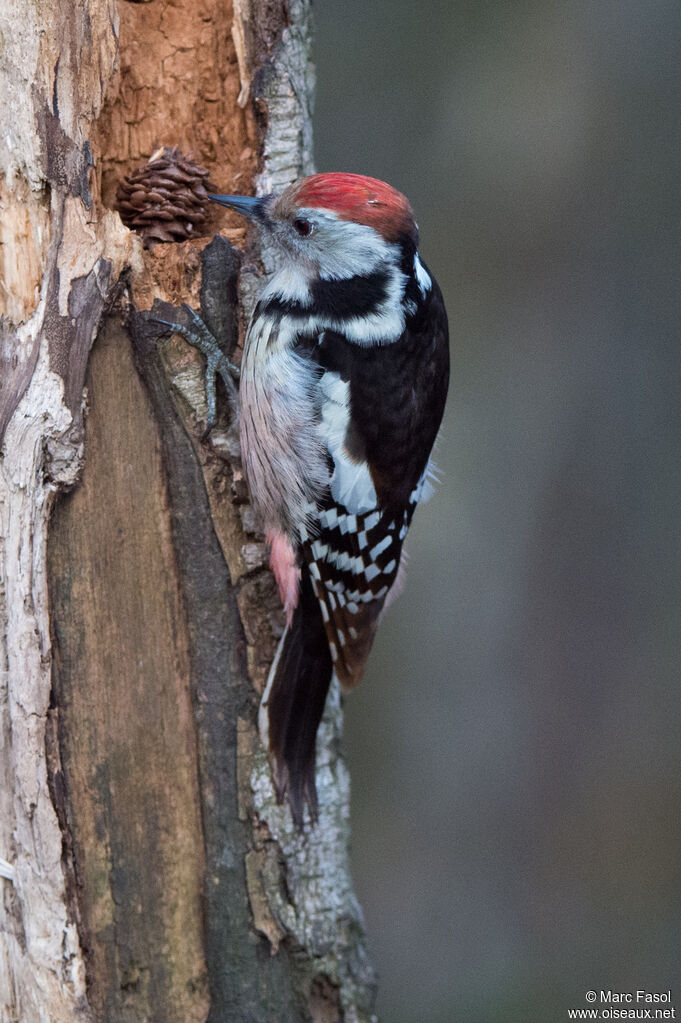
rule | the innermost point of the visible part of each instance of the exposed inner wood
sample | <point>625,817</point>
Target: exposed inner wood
<point>24,240</point>
<point>177,84</point>
<point>121,684</point>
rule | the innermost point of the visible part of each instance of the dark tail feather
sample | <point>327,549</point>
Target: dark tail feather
<point>296,703</point>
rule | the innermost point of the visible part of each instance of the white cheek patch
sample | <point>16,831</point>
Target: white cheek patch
<point>351,484</point>
<point>291,284</point>
<point>343,248</point>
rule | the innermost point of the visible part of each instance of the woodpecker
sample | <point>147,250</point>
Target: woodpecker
<point>343,383</point>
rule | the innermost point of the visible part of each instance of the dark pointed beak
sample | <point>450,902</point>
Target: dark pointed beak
<point>248,205</point>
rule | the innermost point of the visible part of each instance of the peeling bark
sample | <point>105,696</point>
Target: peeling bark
<point>146,870</point>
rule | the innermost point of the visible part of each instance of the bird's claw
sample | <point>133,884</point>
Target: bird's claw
<point>217,363</point>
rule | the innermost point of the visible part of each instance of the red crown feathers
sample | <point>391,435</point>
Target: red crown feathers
<point>359,198</point>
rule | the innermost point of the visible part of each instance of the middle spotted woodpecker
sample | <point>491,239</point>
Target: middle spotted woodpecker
<point>343,385</point>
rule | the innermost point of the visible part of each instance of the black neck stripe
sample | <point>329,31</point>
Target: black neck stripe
<point>336,299</point>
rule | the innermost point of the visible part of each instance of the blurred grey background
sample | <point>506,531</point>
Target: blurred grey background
<point>515,744</point>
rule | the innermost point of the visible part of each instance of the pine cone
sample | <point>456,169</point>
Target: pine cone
<point>166,200</point>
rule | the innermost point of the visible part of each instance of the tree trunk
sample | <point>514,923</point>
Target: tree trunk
<point>147,873</point>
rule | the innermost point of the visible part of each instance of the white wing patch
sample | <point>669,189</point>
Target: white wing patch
<point>351,484</point>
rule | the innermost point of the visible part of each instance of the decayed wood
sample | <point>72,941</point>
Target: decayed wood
<point>150,873</point>
<point>127,737</point>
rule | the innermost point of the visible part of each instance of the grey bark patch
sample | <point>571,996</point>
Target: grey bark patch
<point>64,163</point>
<point>221,263</point>
<point>16,369</point>
<point>71,337</point>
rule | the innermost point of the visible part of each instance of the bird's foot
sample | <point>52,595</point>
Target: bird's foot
<point>199,336</point>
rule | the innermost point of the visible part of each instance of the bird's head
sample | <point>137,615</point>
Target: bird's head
<point>335,225</point>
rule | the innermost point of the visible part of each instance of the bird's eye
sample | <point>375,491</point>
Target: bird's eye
<point>302,226</point>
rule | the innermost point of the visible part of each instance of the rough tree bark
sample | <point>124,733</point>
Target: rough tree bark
<point>146,872</point>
